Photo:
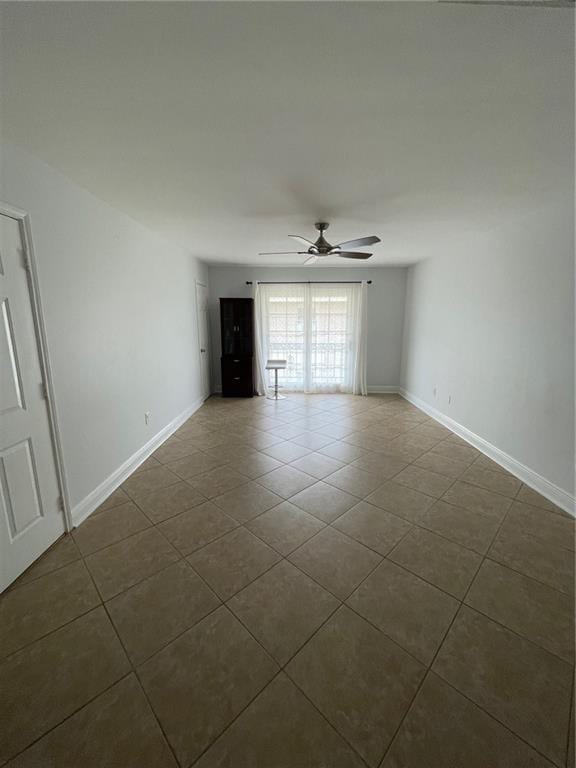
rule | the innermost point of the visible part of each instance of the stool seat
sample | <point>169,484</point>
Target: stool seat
<point>276,365</point>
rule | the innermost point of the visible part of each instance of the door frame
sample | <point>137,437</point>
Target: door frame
<point>196,284</point>
<point>23,219</point>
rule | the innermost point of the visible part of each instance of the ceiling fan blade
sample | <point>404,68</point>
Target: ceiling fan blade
<point>360,242</point>
<point>281,253</point>
<point>352,255</point>
<point>303,240</point>
<point>312,259</point>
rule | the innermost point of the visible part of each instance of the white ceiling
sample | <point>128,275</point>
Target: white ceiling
<point>227,126</point>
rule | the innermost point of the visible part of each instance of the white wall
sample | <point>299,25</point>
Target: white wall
<point>385,310</point>
<point>491,324</point>
<point>120,312</point>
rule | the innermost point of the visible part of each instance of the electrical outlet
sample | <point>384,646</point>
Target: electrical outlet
<point>147,417</point>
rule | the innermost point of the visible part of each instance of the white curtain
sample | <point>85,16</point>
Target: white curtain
<point>261,356</point>
<point>320,329</point>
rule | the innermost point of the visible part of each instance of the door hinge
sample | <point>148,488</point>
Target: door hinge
<point>61,504</point>
<point>43,390</point>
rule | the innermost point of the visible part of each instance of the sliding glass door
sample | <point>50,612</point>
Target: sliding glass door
<point>316,328</point>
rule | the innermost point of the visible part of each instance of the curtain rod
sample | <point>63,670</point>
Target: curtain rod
<point>311,282</point>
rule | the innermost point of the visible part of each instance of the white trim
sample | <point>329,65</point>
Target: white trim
<point>377,389</point>
<point>553,493</point>
<point>23,218</point>
<point>96,497</point>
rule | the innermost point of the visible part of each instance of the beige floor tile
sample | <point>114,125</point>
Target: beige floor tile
<point>344,452</point>
<point>286,481</point>
<point>415,441</point>
<point>200,682</point>
<point>437,560</point>
<point>355,481</point>
<point>380,464</point>
<point>317,465</point>
<point>335,561</point>
<point>423,480</point>
<point>174,451</point>
<point>324,501</point>
<point>543,615</point>
<point>122,565</point>
<point>151,480</point>
<point>212,440</point>
<point>459,452</point>
<point>151,614</point>
<point>547,526</point>
<point>477,500</point>
<point>217,481</point>
<point>168,502</point>
<point>551,565</point>
<point>232,562</point>
<point>286,432</point>
<point>285,527</point>
<point>148,463</point>
<point>62,553</point>
<point>197,527</point>
<point>445,730</point>
<point>108,527</point>
<point>116,497</point>
<point>521,685</point>
<point>286,451</point>
<point>401,501</point>
<point>529,496</point>
<point>263,440</point>
<point>47,681</point>
<point>193,465</point>
<point>35,609</point>
<point>366,441</point>
<point>485,463</point>
<point>460,525</point>
<point>312,440</point>
<point>362,682</point>
<point>247,501</point>
<point>498,482</point>
<point>373,527</point>
<point>116,729</point>
<point>231,452</point>
<point>442,465</point>
<point>410,611</point>
<point>335,431</point>
<point>282,609</point>
<point>254,465</point>
<point>431,429</point>
<point>280,729</point>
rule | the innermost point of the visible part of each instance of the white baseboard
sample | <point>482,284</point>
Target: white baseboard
<point>96,497</point>
<point>553,493</point>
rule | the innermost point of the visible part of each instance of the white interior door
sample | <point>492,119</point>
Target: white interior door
<point>202,305</point>
<point>30,507</point>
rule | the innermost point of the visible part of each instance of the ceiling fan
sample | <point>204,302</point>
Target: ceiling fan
<point>322,247</point>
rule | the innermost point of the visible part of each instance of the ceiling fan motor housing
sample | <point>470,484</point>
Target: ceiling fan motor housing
<point>321,247</point>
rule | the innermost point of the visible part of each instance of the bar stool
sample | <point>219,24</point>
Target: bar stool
<point>275,365</point>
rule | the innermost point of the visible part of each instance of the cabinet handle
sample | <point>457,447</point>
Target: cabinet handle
<point>234,361</point>
<point>236,378</point>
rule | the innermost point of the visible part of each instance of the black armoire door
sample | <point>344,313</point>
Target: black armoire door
<point>236,325</point>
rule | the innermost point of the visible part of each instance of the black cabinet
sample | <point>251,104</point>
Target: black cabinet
<point>237,332</point>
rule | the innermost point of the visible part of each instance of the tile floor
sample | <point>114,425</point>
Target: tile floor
<point>324,581</point>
